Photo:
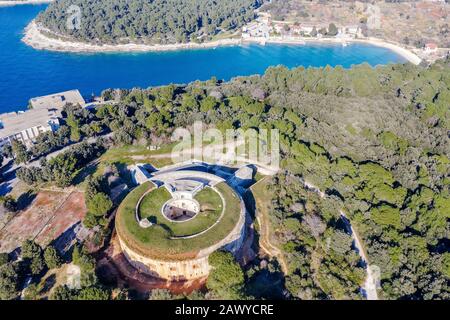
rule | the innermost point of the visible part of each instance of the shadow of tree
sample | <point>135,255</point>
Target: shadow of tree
<point>48,283</point>
<point>267,282</point>
<point>25,200</point>
<point>84,173</point>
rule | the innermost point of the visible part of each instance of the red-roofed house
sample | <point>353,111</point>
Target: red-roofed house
<point>431,47</point>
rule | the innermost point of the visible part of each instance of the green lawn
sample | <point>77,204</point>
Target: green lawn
<point>156,241</point>
<point>210,210</point>
<point>128,155</point>
<point>152,203</point>
<point>133,154</point>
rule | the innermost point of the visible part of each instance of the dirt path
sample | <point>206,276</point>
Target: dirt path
<point>268,247</point>
<point>262,211</point>
<point>370,284</point>
<point>219,156</point>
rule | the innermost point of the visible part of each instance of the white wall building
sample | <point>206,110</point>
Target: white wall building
<point>58,100</point>
<point>26,126</point>
<point>255,30</point>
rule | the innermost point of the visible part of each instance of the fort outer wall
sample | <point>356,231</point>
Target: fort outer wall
<point>169,270</point>
<point>187,269</point>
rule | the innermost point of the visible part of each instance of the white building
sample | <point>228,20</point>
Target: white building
<point>58,100</point>
<point>306,29</point>
<point>278,27</point>
<point>26,126</point>
<point>352,30</point>
<point>255,30</point>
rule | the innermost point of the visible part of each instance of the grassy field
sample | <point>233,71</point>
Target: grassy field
<point>133,154</point>
<point>156,241</point>
<point>123,157</point>
<point>152,203</point>
<point>209,200</point>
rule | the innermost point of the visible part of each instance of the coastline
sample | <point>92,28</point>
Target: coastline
<point>18,3</point>
<point>36,39</point>
<point>405,53</point>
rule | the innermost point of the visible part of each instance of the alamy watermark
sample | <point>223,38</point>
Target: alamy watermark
<point>232,146</point>
<point>73,21</point>
<point>373,13</point>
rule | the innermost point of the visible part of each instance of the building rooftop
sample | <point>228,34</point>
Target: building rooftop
<point>12,123</point>
<point>58,100</point>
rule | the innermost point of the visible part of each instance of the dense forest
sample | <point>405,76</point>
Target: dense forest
<point>374,140</point>
<point>148,21</point>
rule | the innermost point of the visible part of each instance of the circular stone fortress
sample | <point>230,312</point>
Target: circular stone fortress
<point>169,225</point>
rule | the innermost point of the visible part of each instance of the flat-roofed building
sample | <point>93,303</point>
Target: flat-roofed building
<point>26,126</point>
<point>58,100</point>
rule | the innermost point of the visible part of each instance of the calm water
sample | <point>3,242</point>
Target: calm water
<point>26,73</point>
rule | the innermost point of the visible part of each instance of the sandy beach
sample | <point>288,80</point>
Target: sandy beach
<point>407,54</point>
<point>15,3</point>
<point>36,39</point>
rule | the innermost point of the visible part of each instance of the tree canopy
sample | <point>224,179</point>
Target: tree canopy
<point>157,21</point>
<point>226,278</point>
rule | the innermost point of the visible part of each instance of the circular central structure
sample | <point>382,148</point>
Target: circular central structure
<point>180,210</point>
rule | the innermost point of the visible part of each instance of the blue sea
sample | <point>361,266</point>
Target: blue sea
<point>26,72</point>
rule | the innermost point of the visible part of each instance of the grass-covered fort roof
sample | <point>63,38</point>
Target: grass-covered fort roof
<point>160,240</point>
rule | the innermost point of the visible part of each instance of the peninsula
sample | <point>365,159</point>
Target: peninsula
<point>285,172</point>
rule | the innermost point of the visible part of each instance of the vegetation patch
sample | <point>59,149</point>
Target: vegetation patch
<point>195,21</point>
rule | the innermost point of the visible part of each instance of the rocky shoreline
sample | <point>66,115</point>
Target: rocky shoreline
<point>36,39</point>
